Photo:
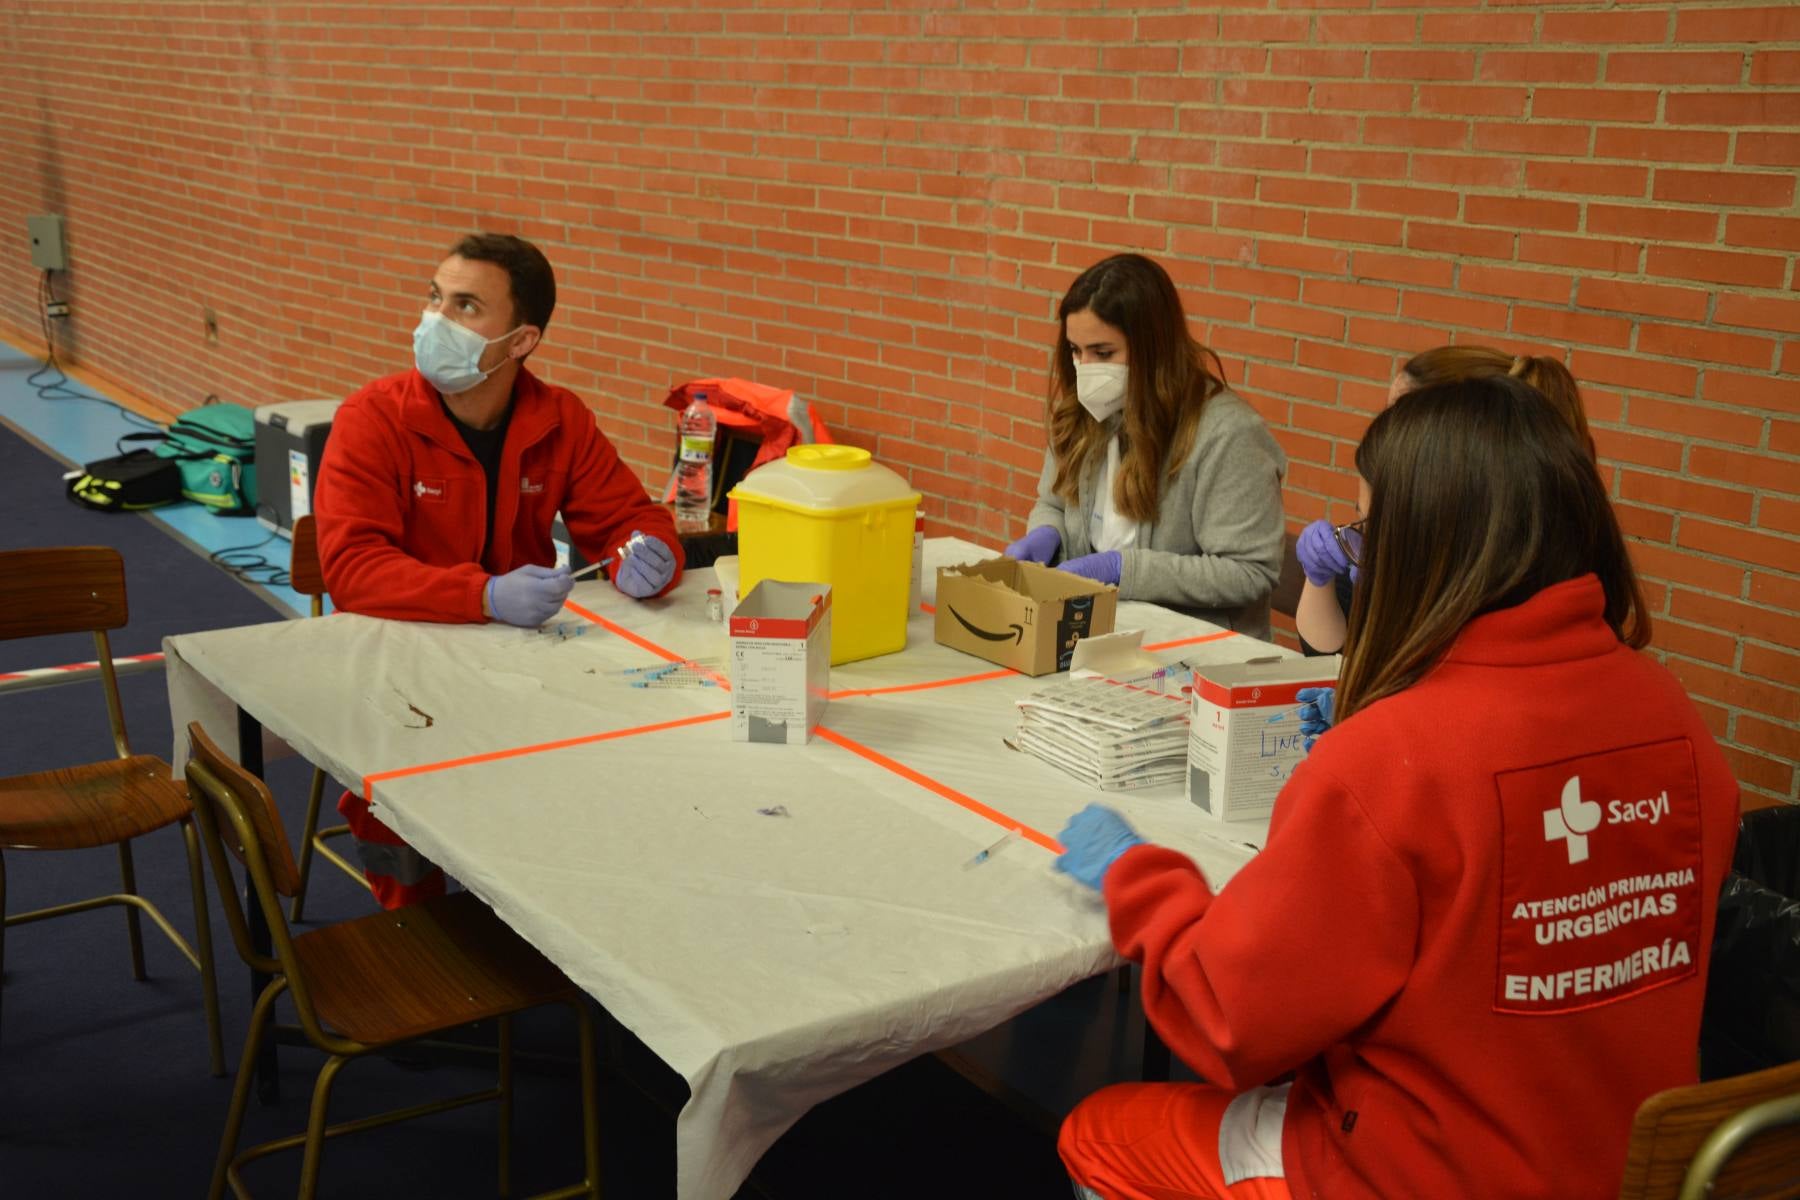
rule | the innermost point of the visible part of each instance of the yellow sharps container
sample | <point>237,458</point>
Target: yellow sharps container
<point>828,514</point>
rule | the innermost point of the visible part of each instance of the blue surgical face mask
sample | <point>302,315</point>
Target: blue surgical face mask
<point>448,355</point>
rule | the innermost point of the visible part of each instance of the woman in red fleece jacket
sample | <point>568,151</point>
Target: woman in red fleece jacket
<point>1478,934</point>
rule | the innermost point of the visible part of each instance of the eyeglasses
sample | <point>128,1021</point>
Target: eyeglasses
<point>1349,540</point>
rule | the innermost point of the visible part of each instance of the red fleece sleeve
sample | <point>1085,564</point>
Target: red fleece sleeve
<point>361,517</point>
<point>1307,942</point>
<point>605,502</point>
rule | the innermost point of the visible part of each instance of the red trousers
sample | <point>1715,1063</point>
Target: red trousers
<point>398,874</point>
<point>1155,1141</point>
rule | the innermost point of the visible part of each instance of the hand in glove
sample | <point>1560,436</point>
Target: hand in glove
<point>1103,567</point>
<point>1038,546</point>
<point>1316,705</point>
<point>529,595</point>
<point>1092,840</point>
<point>1321,558</point>
<point>647,569</point>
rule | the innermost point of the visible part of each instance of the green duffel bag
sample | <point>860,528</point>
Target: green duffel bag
<point>215,446</point>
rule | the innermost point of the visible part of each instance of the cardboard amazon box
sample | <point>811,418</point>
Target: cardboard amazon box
<point>780,662</point>
<point>1021,615</point>
<point>1244,735</point>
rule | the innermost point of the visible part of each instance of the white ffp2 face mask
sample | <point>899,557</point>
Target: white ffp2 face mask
<point>448,355</point>
<point>1101,387</point>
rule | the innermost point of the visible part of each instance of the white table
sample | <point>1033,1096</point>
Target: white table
<point>772,960</point>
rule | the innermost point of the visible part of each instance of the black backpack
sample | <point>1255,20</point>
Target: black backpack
<point>126,482</point>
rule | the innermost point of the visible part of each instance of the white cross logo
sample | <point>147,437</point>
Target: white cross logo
<point>1572,820</point>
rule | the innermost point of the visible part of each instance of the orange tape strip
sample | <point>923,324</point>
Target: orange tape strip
<point>620,631</point>
<point>922,687</point>
<point>369,781</point>
<point>1193,641</point>
<point>951,794</point>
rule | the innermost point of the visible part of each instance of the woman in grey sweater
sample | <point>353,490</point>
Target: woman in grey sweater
<point>1157,477</point>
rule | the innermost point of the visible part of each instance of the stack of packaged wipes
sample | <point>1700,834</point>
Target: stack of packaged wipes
<point>1110,734</point>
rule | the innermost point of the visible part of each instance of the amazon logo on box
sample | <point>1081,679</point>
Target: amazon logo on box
<point>1021,615</point>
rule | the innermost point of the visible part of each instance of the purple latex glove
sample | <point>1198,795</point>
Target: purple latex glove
<point>1103,567</point>
<point>648,567</point>
<point>1092,841</point>
<point>1320,556</point>
<point>1038,546</point>
<point>528,595</point>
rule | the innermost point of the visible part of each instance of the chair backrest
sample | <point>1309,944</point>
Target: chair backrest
<point>304,571</point>
<point>69,589</point>
<point>1285,599</point>
<point>61,589</point>
<point>1672,1126</point>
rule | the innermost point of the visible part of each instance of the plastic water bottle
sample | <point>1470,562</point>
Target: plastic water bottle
<point>693,474</point>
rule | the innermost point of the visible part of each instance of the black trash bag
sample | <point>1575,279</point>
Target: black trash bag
<point>1752,1017</point>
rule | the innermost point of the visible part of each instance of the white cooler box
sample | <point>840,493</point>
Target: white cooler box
<point>290,441</point>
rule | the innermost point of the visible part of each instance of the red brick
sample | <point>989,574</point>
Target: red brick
<point>1752,470</point>
<point>1691,641</point>
<point>1737,189</point>
<point>1656,223</point>
<point>1674,67</point>
<point>1598,254</point>
<point>1732,109</point>
<point>1762,24</point>
<point>1723,686</point>
<point>1360,297</point>
<point>1350,29</point>
<point>1777,67</point>
<point>1768,149</point>
<point>1684,496</point>
<point>1415,133</point>
<point>1450,99</point>
<point>1617,446</point>
<point>1335,96</point>
<point>1522,214</point>
<point>1784,437</point>
<point>1691,419</point>
<point>1781,740</point>
<point>1669,379</point>
<point>1341,227</point>
<point>1477,29</point>
<point>1779,591</point>
<point>1468,170</point>
<point>1673,566</point>
<point>1616,28</point>
<point>1459,240</point>
<point>1764,662</point>
<point>1758,312</point>
<point>1533,138</point>
<point>1737,617</point>
<point>1421,64</point>
<point>1299,256</point>
<point>1705,345</point>
<point>1771,512</point>
<point>1455,312</point>
<point>1523,285</point>
<point>1754,770</point>
<point>1562,326</point>
<point>1403,268</point>
<point>1742,545</point>
<point>1774,233</point>
<point>1715,266</point>
<point>1416,202</point>
<point>1540,66</point>
<point>1647,523</point>
<point>1595,104</point>
<point>1649,299</point>
<point>1310,321</point>
<point>1754,391</point>
<point>1307,64</point>
<point>1596,179</point>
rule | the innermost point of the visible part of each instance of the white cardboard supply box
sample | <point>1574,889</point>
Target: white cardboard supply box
<point>780,661</point>
<point>1244,733</point>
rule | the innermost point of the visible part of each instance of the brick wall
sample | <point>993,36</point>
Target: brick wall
<point>879,203</point>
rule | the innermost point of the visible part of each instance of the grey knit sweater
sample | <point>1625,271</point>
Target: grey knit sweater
<point>1214,550</point>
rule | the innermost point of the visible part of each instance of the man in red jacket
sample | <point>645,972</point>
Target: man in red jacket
<point>439,485</point>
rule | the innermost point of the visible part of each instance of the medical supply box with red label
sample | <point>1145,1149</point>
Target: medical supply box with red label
<point>1244,732</point>
<point>780,662</point>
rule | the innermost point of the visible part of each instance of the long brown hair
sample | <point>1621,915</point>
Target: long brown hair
<point>1451,364</point>
<point>1171,377</point>
<point>1480,497</point>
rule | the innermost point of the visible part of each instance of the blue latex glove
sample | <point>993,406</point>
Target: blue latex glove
<point>1038,546</point>
<point>1320,556</point>
<point>1316,705</point>
<point>1092,840</point>
<point>1103,567</point>
<point>529,595</point>
<point>647,569</point>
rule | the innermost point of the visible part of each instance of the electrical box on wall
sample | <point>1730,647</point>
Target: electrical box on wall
<point>46,243</point>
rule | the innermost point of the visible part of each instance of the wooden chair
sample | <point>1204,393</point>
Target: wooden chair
<point>1737,1137</point>
<point>364,985</point>
<point>107,803</point>
<point>308,578</point>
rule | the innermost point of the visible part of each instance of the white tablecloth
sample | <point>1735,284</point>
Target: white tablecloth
<point>777,923</point>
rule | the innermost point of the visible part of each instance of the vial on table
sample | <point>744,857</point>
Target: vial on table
<point>715,605</point>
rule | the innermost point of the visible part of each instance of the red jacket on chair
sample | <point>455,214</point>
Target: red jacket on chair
<point>401,503</point>
<point>1479,930</point>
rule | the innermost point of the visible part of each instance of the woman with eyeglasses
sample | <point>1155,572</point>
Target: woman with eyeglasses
<point>1477,937</point>
<point>1327,552</point>
<point>1157,477</point>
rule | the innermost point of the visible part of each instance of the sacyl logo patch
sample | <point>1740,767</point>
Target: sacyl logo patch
<point>1574,818</point>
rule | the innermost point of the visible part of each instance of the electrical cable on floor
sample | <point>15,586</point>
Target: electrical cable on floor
<point>243,563</point>
<point>50,381</point>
